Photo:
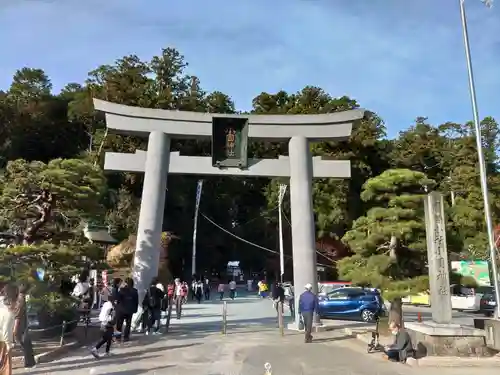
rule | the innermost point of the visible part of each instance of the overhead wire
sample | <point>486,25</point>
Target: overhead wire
<point>317,252</point>
<point>254,244</point>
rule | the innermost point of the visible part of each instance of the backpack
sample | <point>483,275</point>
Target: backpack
<point>152,301</point>
<point>111,318</point>
<point>87,297</point>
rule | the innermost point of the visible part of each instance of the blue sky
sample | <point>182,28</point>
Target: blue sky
<point>400,58</point>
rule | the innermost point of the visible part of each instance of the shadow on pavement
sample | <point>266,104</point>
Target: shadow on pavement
<point>118,358</point>
<point>139,371</point>
<point>88,362</point>
<point>198,316</point>
<point>229,301</point>
<point>345,323</point>
<point>321,340</point>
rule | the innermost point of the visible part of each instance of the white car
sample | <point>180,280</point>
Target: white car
<point>468,299</point>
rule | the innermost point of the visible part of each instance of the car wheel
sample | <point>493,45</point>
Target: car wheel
<point>488,314</point>
<point>367,316</point>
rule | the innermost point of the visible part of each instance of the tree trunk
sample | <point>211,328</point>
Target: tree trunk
<point>396,311</point>
<point>393,247</point>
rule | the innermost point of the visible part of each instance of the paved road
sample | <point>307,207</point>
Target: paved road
<point>463,318</point>
<point>195,346</point>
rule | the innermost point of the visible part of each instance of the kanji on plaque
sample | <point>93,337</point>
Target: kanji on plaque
<point>230,143</point>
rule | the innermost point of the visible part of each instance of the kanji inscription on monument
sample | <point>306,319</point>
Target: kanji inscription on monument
<point>437,255</point>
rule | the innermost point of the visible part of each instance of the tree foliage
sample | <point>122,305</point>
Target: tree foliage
<point>52,140</point>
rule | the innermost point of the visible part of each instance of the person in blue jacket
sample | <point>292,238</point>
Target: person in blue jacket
<point>308,305</point>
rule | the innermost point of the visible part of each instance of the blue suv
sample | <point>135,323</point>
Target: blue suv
<point>352,303</point>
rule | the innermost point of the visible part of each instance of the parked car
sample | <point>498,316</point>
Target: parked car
<point>468,299</point>
<point>488,304</point>
<point>325,287</point>
<point>352,303</point>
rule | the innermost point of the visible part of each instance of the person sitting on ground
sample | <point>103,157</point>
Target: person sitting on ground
<point>402,347</point>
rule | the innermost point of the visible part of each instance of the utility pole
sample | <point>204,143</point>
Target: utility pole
<point>482,163</point>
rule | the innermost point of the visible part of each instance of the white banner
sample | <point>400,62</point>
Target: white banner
<point>197,206</point>
<point>282,193</point>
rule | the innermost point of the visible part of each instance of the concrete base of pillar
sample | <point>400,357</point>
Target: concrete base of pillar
<point>433,339</point>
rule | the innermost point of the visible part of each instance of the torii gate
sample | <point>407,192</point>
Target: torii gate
<point>229,135</point>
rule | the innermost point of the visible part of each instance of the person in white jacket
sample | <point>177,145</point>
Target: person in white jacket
<point>107,317</point>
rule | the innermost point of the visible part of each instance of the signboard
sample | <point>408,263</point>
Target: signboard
<point>229,142</point>
<point>479,270</point>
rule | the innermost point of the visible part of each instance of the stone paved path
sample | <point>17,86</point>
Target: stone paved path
<point>195,346</point>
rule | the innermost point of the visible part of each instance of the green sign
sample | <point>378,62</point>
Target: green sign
<point>477,269</point>
<point>229,142</point>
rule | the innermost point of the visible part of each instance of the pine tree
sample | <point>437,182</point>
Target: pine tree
<point>389,241</point>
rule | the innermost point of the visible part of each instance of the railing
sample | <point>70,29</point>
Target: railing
<point>63,328</point>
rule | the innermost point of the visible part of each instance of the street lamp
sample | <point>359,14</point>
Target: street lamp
<point>482,165</point>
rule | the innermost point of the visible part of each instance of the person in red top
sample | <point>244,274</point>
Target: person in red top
<point>184,291</point>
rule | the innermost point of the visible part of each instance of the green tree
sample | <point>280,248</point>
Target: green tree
<point>389,241</point>
<point>50,201</point>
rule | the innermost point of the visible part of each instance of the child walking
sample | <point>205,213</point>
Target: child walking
<point>107,317</point>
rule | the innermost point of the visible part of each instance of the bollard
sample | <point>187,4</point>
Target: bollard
<point>61,342</point>
<point>224,318</point>
<point>169,314</point>
<point>281,322</point>
<point>419,317</point>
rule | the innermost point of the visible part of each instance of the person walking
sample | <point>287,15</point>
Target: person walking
<point>21,332</point>
<point>127,303</point>
<point>108,319</point>
<point>179,295</point>
<point>232,289</point>
<point>206,289</point>
<point>279,298</point>
<point>152,307</point>
<point>105,293</point>
<point>198,292</point>
<point>192,290</point>
<point>164,305</point>
<point>262,285</point>
<point>290,298</point>
<point>220,290</point>
<point>185,291</point>
<point>115,287</point>
<point>83,293</point>
<point>308,305</point>
<point>93,300</point>
<point>7,322</point>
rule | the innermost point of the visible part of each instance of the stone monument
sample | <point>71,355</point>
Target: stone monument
<point>437,258</point>
<point>440,336</point>
<point>229,135</point>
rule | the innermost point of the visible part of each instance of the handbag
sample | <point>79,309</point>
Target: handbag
<point>301,323</point>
